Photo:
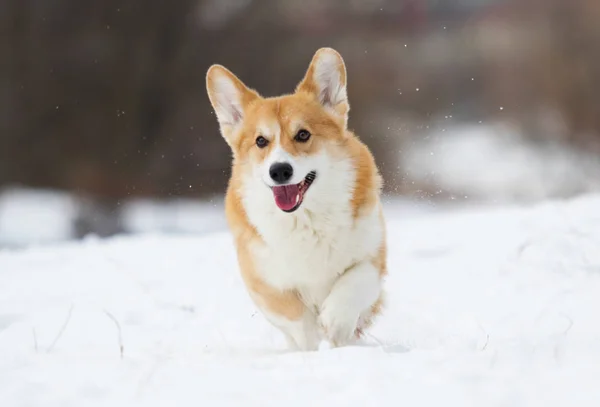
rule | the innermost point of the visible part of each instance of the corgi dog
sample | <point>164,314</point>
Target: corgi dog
<point>303,205</point>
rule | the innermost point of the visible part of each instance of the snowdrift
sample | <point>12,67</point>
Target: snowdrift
<point>496,307</point>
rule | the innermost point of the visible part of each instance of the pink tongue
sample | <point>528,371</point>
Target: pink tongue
<point>285,196</point>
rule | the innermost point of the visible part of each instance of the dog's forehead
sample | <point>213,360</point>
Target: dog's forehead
<point>292,109</point>
<point>274,116</point>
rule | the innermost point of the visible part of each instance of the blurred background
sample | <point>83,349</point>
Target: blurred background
<point>106,128</point>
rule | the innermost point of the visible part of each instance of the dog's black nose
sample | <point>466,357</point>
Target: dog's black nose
<point>281,172</point>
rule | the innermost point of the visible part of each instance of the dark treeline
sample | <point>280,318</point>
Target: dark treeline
<point>107,97</point>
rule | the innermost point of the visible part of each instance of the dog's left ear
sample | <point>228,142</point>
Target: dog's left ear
<point>325,79</point>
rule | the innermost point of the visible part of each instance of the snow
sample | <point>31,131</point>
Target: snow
<point>495,162</point>
<point>39,216</point>
<point>181,215</point>
<point>487,307</point>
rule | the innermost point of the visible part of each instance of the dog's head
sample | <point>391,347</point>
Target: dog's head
<point>285,144</point>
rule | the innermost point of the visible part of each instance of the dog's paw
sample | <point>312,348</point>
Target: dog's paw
<point>338,323</point>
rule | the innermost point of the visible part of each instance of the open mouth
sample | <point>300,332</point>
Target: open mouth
<point>288,198</point>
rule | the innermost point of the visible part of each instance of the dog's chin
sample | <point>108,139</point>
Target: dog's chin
<point>289,198</point>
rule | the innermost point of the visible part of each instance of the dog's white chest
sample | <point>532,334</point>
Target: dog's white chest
<point>309,256</point>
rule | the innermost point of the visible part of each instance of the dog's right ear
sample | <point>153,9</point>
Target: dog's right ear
<point>229,97</point>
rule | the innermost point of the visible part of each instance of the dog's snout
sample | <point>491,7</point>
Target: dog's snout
<point>281,172</point>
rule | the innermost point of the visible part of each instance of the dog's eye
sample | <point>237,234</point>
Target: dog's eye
<point>302,136</point>
<point>261,142</point>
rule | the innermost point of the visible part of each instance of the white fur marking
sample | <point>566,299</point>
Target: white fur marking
<point>308,249</point>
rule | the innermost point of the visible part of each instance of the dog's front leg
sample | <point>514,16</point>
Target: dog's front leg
<point>283,308</point>
<point>302,334</point>
<point>352,297</point>
<point>287,312</point>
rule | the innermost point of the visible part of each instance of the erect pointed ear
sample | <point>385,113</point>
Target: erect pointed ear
<point>325,79</point>
<point>228,96</point>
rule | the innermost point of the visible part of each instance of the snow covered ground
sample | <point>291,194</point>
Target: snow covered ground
<point>487,307</point>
